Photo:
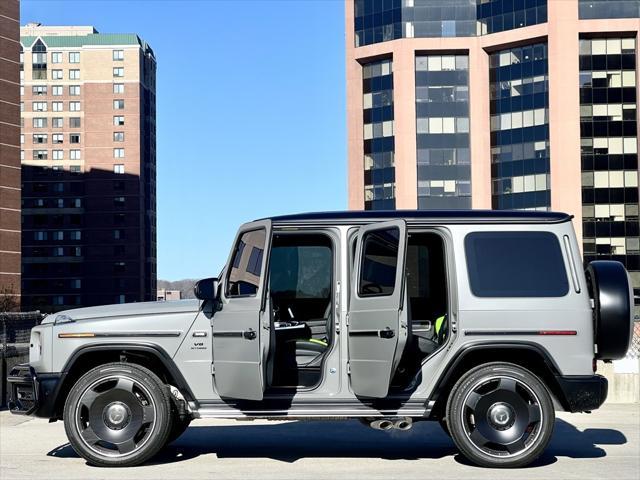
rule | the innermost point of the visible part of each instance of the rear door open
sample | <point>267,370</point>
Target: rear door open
<point>377,326</point>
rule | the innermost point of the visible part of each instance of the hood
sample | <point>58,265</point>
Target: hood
<point>127,310</point>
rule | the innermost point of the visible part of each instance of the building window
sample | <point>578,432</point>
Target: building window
<point>498,15</point>
<point>118,153</point>
<point>57,106</point>
<point>58,138</point>
<point>22,139</point>
<point>118,104</point>
<point>56,74</point>
<point>74,90</point>
<point>609,9</point>
<point>74,154</point>
<point>442,125</point>
<point>56,57</point>
<point>118,136</point>
<point>39,122</point>
<point>609,150</point>
<point>119,169</point>
<point>57,122</point>
<point>75,169</point>
<point>118,88</point>
<point>40,138</point>
<point>58,155</point>
<point>74,57</point>
<point>22,90</point>
<point>118,121</point>
<point>74,74</point>
<point>118,55</point>
<point>379,141</point>
<point>76,283</point>
<point>74,122</point>
<point>39,90</point>
<point>74,106</point>
<point>74,138</point>
<point>40,236</point>
<point>519,123</point>
<point>58,299</point>
<point>39,106</point>
<point>75,235</point>
<point>118,72</point>
<point>40,155</point>
<point>118,201</point>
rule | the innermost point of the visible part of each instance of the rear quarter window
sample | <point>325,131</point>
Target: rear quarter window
<point>515,264</point>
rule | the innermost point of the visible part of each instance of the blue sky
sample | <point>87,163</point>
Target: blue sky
<point>250,112</point>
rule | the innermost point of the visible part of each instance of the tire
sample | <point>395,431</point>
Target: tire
<point>178,427</point>
<point>500,415</point>
<point>444,426</point>
<point>118,415</point>
<point>610,288</point>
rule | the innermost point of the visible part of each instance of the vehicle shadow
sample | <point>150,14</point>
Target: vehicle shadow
<point>291,441</point>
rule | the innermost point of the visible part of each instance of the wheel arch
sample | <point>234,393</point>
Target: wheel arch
<point>529,355</point>
<point>83,359</point>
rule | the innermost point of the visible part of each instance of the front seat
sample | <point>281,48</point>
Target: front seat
<point>309,352</point>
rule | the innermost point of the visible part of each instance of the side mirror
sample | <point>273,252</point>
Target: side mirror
<point>206,289</point>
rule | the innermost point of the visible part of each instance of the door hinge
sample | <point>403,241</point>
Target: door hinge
<point>213,369</point>
<point>348,368</point>
<point>346,320</point>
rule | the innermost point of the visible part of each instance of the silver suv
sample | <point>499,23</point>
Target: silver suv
<point>481,320</point>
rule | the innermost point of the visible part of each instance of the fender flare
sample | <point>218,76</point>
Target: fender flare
<point>148,348</point>
<point>446,377</point>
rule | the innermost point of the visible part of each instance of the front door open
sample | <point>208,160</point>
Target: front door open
<point>242,329</point>
<point>377,321</point>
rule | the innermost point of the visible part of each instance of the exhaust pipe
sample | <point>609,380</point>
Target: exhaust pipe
<point>386,424</point>
<point>381,424</point>
<point>403,424</point>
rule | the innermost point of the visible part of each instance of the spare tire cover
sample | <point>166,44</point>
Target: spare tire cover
<point>610,288</point>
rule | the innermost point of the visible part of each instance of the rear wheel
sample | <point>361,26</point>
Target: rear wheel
<point>500,415</point>
<point>118,415</point>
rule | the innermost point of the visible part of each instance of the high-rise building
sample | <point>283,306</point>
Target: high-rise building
<point>88,168</point>
<point>502,104</point>
<point>9,152</point>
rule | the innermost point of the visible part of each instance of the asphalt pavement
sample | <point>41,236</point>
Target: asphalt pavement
<point>602,445</point>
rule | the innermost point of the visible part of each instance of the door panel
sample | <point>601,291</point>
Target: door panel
<point>242,329</point>
<point>377,320</point>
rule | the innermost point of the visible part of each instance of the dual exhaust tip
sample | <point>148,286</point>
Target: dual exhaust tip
<point>404,424</point>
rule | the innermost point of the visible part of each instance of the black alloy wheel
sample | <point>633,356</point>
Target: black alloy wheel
<point>118,415</point>
<point>500,415</point>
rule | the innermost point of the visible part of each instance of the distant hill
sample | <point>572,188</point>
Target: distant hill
<point>185,286</point>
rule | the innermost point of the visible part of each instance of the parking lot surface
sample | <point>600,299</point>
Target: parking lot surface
<point>605,444</point>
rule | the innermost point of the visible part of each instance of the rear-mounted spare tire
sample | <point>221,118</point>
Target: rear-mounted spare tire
<point>610,289</point>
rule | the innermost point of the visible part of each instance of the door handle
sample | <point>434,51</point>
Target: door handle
<point>247,334</point>
<point>386,333</point>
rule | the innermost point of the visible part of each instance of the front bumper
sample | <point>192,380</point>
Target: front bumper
<point>583,393</point>
<point>31,393</point>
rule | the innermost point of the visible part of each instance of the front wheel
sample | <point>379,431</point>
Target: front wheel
<point>500,415</point>
<point>118,415</point>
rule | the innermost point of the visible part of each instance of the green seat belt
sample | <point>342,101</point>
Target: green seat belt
<point>439,322</point>
<point>319,342</point>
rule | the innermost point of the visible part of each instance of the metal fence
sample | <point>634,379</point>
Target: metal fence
<point>15,331</point>
<point>634,350</point>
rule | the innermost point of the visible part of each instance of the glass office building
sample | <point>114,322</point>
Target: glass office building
<point>499,104</point>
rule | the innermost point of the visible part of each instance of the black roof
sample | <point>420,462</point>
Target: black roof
<point>426,216</point>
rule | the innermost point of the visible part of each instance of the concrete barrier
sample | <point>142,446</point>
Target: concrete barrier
<point>624,380</point>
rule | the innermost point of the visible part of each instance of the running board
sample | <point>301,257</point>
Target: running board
<point>318,411</point>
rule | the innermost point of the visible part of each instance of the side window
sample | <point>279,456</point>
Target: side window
<point>379,262</point>
<point>515,264</point>
<point>246,266</point>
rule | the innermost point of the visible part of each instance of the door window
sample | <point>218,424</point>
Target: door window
<point>246,266</point>
<point>379,261</point>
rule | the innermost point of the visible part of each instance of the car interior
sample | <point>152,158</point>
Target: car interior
<point>300,286</point>
<point>426,286</point>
